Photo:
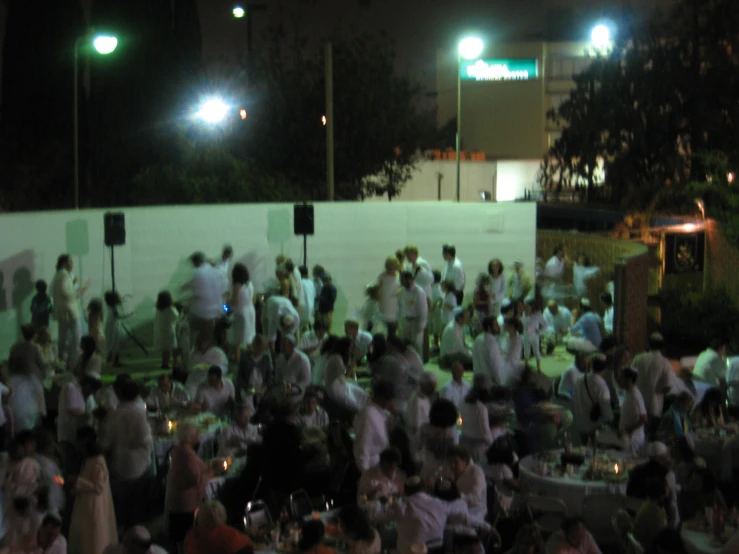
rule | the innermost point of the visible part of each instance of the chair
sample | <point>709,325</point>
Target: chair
<point>599,510</point>
<point>546,513</point>
<point>336,480</point>
<point>257,515</point>
<point>300,504</point>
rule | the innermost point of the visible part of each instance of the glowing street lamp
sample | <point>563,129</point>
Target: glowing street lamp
<point>103,45</point>
<point>238,11</point>
<point>212,111</point>
<point>469,48</point>
<point>600,36</point>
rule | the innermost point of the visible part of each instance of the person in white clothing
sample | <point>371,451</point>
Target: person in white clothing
<point>496,286</point>
<point>362,339</point>
<point>370,427</point>
<point>419,405</point>
<point>384,480</point>
<point>449,303</point>
<point>282,318</point>
<point>167,395</point>
<point>633,420</point>
<point>655,379</point>
<point>591,400</point>
<point>165,320</point>
<point>216,395</point>
<point>470,479</point>
<point>311,342</point>
<point>423,276</point>
<point>242,310</point>
<point>559,321</point>
<point>307,302</point>
<point>608,313</point>
<point>475,430</point>
<point>292,366</point>
<point>534,325</point>
<point>206,288</point>
<point>555,266</point>
<point>237,437</point>
<point>457,389</point>
<point>66,309</point>
<point>296,279</point>
<point>572,375</point>
<point>311,414</point>
<point>415,309</point>
<point>76,404</point>
<point>206,354</point>
<point>224,265</point>
<point>513,349</point>
<point>348,395</point>
<point>486,356</point>
<point>711,363</point>
<point>389,295</point>
<point>582,272</point>
<point>454,271</point>
<point>453,346</point>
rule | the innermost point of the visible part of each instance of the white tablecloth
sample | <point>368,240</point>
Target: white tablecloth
<point>208,442</point>
<point>571,490</point>
<point>214,486</point>
<point>697,542</point>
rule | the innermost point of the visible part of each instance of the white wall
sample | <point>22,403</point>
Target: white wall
<point>352,241</point>
<point>505,180</point>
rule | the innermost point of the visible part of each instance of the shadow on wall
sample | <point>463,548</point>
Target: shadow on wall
<point>258,270</point>
<point>16,291</point>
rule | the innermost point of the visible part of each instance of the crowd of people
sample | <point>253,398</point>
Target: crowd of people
<point>355,421</point>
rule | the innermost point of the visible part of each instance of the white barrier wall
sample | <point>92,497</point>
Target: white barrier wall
<point>351,241</point>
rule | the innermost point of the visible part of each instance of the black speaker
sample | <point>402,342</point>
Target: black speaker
<point>303,219</point>
<point>115,229</point>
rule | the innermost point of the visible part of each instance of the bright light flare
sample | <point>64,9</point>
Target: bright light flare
<point>239,12</point>
<point>324,120</point>
<point>470,48</point>
<point>105,44</point>
<point>689,227</point>
<point>731,177</point>
<point>212,111</point>
<point>601,36</point>
<point>243,114</point>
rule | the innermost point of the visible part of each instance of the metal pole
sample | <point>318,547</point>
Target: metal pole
<point>305,250</point>
<point>459,121</point>
<point>249,39</point>
<point>112,266</point>
<point>330,121</point>
<point>76,126</point>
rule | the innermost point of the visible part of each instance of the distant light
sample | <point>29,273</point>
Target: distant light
<point>689,227</point>
<point>213,111</point>
<point>470,48</point>
<point>731,177</point>
<point>105,44</point>
<point>601,36</point>
<point>243,113</point>
<point>239,12</point>
<point>324,120</point>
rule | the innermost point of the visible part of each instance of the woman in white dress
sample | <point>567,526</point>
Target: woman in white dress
<point>165,337</point>
<point>347,395</point>
<point>389,291</point>
<point>242,308</point>
<point>496,286</point>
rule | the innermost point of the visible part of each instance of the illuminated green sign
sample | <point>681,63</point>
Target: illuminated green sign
<point>499,70</point>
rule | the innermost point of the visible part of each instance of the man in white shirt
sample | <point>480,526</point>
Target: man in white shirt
<point>607,301</point>
<point>572,374</point>
<point>559,321</point>
<point>128,442</point>
<point>383,480</point>
<point>66,308</point>
<point>370,427</point>
<point>591,400</point>
<point>415,310</point>
<point>655,379</point>
<point>311,342</point>
<point>555,267</point>
<point>470,479</point>
<point>224,265</point>
<point>633,420</point>
<point>419,405</point>
<point>297,279</point>
<point>167,395</point>
<point>453,346</point>
<point>237,437</point>
<point>362,339</point>
<point>424,278</point>
<point>215,395</point>
<point>307,302</point>
<point>207,287</point>
<point>456,389</point>
<point>486,356</point>
<point>311,414</point>
<point>292,366</point>
<point>711,363</point>
<point>282,318</point>
<point>453,271</point>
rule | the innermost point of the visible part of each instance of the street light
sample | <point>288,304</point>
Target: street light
<point>600,36</point>
<point>238,11</point>
<point>104,45</point>
<point>212,111</point>
<point>469,48</point>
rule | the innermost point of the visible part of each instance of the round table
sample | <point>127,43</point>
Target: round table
<point>717,450</point>
<point>699,542</point>
<point>208,440</point>
<point>571,490</point>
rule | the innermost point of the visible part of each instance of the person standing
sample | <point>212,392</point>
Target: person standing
<point>591,400</point>
<point>486,356</point>
<point>415,308</point>
<point>66,309</point>
<point>519,284</point>
<point>423,275</point>
<point>496,286</point>
<point>454,270</point>
<point>388,296</point>
<point>654,380</point>
<point>242,307</point>
<point>370,427</point>
<point>326,301</point>
<point>281,318</point>
<point>207,286</point>
<point>308,301</point>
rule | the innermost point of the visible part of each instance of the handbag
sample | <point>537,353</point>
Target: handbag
<point>595,410</point>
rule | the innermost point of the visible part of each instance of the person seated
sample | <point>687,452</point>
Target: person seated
<point>676,422</point>
<point>362,340</point>
<point>167,396</point>
<point>318,371</point>
<point>50,538</point>
<point>215,395</point>
<point>456,389</point>
<point>572,538</point>
<point>237,437</point>
<point>419,404</point>
<point>633,420</point>
<point>208,349</point>
<point>254,375</point>
<point>475,431</point>
<point>311,342</point>
<point>311,536</point>
<point>572,374</point>
<point>652,516</point>
<point>709,411</point>
<point>358,532</point>
<point>453,346</point>
<point>559,321</point>
<point>311,414</point>
<point>347,395</point>
<point>501,458</point>
<point>470,481</point>
<point>211,534</point>
<point>292,366</point>
<point>437,437</point>
<point>384,480</point>
<point>658,466</point>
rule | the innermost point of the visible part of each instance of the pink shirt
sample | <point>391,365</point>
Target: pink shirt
<point>186,481</point>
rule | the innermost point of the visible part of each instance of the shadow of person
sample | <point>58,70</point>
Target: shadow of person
<point>23,288</point>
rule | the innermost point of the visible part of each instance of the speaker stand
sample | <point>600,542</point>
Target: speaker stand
<point>305,252</point>
<point>126,329</point>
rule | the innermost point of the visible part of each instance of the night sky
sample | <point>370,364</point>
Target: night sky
<point>419,27</point>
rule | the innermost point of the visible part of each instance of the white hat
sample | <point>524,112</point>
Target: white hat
<point>506,303</point>
<point>655,449</point>
<point>459,310</point>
